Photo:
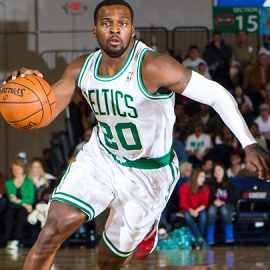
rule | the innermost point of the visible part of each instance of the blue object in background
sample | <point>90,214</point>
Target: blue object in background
<point>265,21</point>
<point>240,3</point>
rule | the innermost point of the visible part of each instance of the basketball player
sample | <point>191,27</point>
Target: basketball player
<point>127,166</point>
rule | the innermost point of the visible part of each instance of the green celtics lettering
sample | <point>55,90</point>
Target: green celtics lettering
<point>111,102</point>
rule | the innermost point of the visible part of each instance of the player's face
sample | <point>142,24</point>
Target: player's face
<point>114,30</point>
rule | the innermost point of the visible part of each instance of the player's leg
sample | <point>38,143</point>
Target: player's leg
<point>109,261</point>
<point>63,219</point>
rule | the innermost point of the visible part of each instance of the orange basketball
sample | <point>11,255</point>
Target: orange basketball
<point>27,102</point>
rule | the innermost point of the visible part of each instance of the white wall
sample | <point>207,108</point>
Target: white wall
<point>52,17</point>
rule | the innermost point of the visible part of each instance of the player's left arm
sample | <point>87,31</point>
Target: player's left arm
<point>160,70</point>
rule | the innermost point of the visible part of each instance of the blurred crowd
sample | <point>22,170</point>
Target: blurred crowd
<point>209,154</point>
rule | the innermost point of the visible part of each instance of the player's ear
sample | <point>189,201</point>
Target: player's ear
<point>133,32</point>
<point>94,32</point>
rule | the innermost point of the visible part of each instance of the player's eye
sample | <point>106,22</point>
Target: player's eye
<point>123,23</point>
<point>106,23</point>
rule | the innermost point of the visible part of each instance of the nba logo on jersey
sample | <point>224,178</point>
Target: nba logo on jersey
<point>129,76</point>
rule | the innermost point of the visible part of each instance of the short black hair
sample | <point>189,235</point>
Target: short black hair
<point>112,3</point>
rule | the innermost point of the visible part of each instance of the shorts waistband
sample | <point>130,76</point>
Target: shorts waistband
<point>143,163</point>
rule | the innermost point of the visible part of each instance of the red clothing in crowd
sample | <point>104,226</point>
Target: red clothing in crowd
<point>193,201</point>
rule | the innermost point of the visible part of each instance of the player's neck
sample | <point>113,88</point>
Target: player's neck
<point>109,66</point>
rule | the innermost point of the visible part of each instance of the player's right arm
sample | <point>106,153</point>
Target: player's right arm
<point>64,88</point>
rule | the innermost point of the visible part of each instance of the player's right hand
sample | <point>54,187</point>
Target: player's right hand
<point>22,72</point>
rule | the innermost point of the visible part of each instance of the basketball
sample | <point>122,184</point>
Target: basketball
<point>27,102</point>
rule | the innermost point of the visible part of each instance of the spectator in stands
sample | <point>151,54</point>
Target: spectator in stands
<point>243,59</point>
<point>225,144</point>
<point>86,137</point>
<point>235,165</point>
<point>221,201</point>
<point>254,129</point>
<point>182,120</point>
<point>193,60</point>
<point>263,120</point>
<point>212,123</point>
<point>194,197</point>
<point>20,193</point>
<point>38,176</point>
<point>248,113</point>
<point>198,145</point>
<point>203,70</point>
<point>265,49</point>
<point>258,79</point>
<point>207,166</point>
<point>178,146</point>
<point>226,137</point>
<point>217,54</point>
<point>240,97</point>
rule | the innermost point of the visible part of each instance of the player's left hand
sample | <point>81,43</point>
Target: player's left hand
<point>258,161</point>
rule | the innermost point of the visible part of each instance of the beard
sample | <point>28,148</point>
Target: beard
<point>113,53</point>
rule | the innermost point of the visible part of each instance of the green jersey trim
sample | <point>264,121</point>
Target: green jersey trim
<point>112,248</point>
<point>86,211</point>
<point>83,68</point>
<point>119,72</point>
<point>140,80</point>
<point>143,163</point>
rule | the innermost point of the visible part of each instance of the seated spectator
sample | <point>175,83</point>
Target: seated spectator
<point>243,59</point>
<point>254,129</point>
<point>248,113</point>
<point>203,70</point>
<point>198,145</point>
<point>178,146</point>
<point>38,176</point>
<point>194,60</point>
<point>241,98</point>
<point>235,165</point>
<point>194,196</point>
<point>258,79</point>
<point>265,49</point>
<point>207,166</point>
<point>263,120</point>
<point>20,193</point>
<point>182,119</point>
<point>221,201</point>
<point>86,137</point>
<point>212,123</point>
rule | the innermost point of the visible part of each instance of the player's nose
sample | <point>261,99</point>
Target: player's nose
<point>115,28</point>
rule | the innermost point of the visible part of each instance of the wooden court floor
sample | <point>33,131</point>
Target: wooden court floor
<point>234,258</point>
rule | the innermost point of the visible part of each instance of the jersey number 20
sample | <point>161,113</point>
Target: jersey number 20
<point>119,128</point>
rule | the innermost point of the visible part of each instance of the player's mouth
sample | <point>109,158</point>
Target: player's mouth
<point>114,41</point>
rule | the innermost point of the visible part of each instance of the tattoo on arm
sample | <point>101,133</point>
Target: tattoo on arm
<point>58,84</point>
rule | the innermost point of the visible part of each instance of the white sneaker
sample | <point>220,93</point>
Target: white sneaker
<point>12,245</point>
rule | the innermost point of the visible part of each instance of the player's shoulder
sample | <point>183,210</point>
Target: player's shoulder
<point>154,61</point>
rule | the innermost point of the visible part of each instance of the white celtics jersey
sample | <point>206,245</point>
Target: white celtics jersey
<point>133,124</point>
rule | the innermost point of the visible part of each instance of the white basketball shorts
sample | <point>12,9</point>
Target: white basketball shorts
<point>136,197</point>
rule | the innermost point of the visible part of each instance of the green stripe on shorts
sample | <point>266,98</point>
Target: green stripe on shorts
<point>115,251</point>
<point>89,214</point>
